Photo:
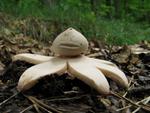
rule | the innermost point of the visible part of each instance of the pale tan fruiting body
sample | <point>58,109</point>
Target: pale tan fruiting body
<point>70,43</point>
<point>68,48</point>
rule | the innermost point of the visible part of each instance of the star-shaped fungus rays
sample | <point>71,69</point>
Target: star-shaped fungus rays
<point>89,70</point>
<point>69,48</point>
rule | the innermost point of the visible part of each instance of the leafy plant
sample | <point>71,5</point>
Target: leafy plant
<point>115,22</point>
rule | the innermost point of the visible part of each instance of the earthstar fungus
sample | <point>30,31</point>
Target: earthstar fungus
<point>69,48</point>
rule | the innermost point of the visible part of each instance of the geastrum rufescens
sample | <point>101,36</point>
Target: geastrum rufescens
<point>69,48</point>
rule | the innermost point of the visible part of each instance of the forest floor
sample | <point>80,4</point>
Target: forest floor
<point>59,94</point>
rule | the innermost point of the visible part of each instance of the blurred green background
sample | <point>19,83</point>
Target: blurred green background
<point>113,21</point>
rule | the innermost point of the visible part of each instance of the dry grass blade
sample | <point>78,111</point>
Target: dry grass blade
<point>42,105</point>
<point>36,108</point>
<point>28,108</point>
<point>44,108</point>
<point>145,102</point>
<point>131,105</point>
<point>34,104</point>
<point>68,98</point>
<point>130,101</point>
<point>130,85</point>
<point>3,102</point>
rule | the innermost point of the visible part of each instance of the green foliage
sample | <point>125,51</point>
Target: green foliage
<point>123,32</point>
<point>29,7</point>
<point>116,22</point>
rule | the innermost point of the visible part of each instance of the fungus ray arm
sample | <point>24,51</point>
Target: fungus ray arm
<point>89,75</point>
<point>31,76</point>
<point>103,62</point>
<point>31,58</point>
<point>112,72</point>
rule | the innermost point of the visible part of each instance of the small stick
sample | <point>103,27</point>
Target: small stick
<point>131,102</point>
<point>131,85</point>
<point>28,108</point>
<point>67,98</point>
<point>41,104</point>
<point>120,109</point>
<point>44,108</point>
<point>34,104</point>
<point>71,92</point>
<point>124,95</point>
<point>146,101</point>
<point>119,96</point>
<point>5,101</point>
<point>44,105</point>
<point>37,105</point>
<point>36,108</point>
<point>131,105</point>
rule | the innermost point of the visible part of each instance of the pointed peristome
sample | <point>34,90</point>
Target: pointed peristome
<point>70,43</point>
